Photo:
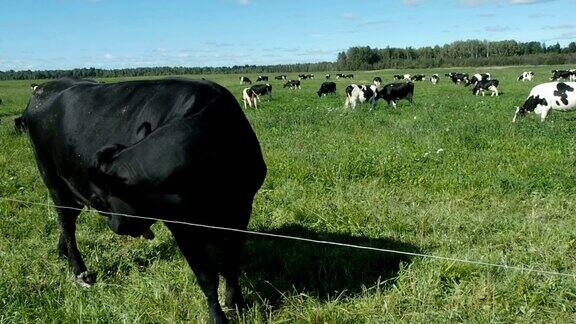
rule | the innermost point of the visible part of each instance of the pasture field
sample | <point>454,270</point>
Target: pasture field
<point>449,176</point>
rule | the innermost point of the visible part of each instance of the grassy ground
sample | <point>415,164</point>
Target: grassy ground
<point>496,192</point>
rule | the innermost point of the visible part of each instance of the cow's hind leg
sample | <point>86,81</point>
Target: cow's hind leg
<point>230,270</point>
<point>195,251</point>
<point>67,246</point>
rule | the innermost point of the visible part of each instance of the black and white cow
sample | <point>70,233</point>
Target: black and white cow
<point>326,88</point>
<point>33,86</point>
<point>377,81</point>
<point>394,92</point>
<point>244,80</point>
<point>250,98</point>
<point>458,77</point>
<point>486,85</point>
<point>262,78</point>
<point>293,84</point>
<point>398,77</point>
<point>563,74</point>
<point>252,94</point>
<point>175,150</point>
<point>280,77</point>
<point>549,96</point>
<point>349,76</point>
<point>262,89</point>
<point>407,77</point>
<point>360,93</point>
<point>339,75</point>
<point>475,78</point>
<point>418,77</point>
<point>526,76</point>
<point>327,76</point>
<point>435,79</point>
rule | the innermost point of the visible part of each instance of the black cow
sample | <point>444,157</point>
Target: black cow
<point>393,92</point>
<point>176,149</point>
<point>486,85</point>
<point>293,84</point>
<point>262,78</point>
<point>326,88</point>
<point>280,77</point>
<point>418,77</point>
<point>262,89</point>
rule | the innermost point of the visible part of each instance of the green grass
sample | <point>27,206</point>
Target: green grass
<point>499,192</point>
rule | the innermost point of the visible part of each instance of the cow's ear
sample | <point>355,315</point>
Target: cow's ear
<point>99,171</point>
<point>106,154</point>
<point>143,130</point>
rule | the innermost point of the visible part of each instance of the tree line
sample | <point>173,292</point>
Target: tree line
<point>459,53</point>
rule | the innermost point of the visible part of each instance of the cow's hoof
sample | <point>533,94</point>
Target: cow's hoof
<point>85,280</point>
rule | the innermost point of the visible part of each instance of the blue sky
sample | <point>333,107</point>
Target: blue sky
<point>51,34</point>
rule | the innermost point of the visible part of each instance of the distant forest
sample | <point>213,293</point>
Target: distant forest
<point>460,53</point>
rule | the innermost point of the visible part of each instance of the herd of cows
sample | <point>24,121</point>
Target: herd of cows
<point>555,95</point>
<point>150,140</point>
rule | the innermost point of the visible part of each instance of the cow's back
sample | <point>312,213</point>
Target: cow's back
<point>70,121</point>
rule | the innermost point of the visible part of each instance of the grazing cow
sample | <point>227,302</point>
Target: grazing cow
<point>362,93</point>
<point>244,80</point>
<point>407,77</point>
<point>262,78</point>
<point>563,74</point>
<point>486,85</point>
<point>280,77</point>
<point>339,75</point>
<point>302,76</point>
<point>398,77</point>
<point>310,76</point>
<point>435,79</point>
<point>477,77</point>
<point>262,89</point>
<point>377,81</point>
<point>179,150</point>
<point>326,88</point>
<point>526,76</point>
<point>544,97</point>
<point>418,77</point>
<point>250,97</point>
<point>19,125</point>
<point>394,92</point>
<point>327,76</point>
<point>458,77</point>
<point>349,76</point>
<point>293,84</point>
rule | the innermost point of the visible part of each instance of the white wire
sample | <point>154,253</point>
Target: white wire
<point>302,239</point>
